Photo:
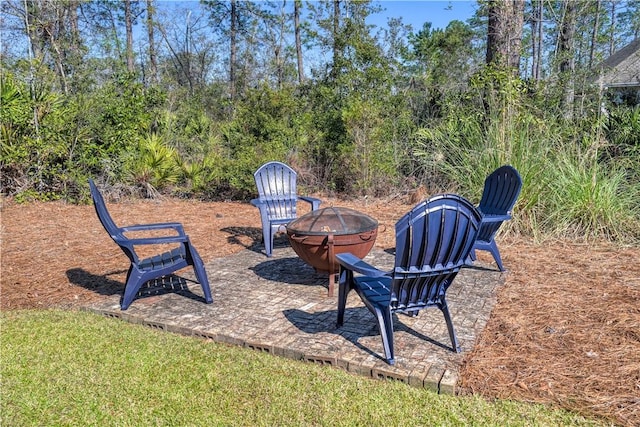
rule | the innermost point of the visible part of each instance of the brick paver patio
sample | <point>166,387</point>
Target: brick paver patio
<point>280,305</point>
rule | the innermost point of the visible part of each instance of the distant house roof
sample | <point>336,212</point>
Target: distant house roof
<point>622,69</point>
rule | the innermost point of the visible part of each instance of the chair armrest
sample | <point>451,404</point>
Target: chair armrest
<point>355,264</point>
<point>155,240</point>
<point>315,203</point>
<point>159,226</point>
<point>262,205</point>
<point>496,218</point>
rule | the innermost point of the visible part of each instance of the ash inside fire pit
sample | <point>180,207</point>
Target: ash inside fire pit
<point>317,236</point>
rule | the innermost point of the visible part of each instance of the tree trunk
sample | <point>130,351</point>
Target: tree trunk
<point>566,56</point>
<point>279,55</point>
<point>504,37</point>
<point>540,39</point>
<point>536,39</point>
<point>32,14</point>
<point>128,22</point>
<point>54,29</point>
<point>594,33</point>
<point>612,39</point>
<point>233,51</point>
<point>336,44</point>
<point>187,62</point>
<point>296,20</point>
<point>153,62</point>
<point>74,29</point>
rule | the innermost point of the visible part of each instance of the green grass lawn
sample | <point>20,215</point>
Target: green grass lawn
<point>79,369</point>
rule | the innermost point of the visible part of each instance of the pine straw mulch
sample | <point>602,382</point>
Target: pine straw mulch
<point>565,330</point>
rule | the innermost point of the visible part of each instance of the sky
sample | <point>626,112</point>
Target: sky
<point>417,12</point>
<point>414,12</point>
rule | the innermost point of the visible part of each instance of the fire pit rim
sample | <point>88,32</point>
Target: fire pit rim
<point>338,212</point>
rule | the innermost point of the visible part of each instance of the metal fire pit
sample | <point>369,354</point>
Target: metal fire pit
<point>321,234</point>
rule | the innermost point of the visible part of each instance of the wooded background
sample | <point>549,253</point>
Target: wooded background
<point>189,99</point>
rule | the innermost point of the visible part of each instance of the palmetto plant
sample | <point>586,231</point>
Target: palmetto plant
<point>200,176</point>
<point>157,165</point>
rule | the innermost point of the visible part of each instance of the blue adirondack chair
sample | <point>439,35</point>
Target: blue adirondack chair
<point>277,199</point>
<point>501,190</point>
<point>143,270</point>
<point>433,242</point>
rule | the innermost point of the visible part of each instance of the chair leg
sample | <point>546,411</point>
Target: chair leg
<point>452,334</point>
<point>493,248</point>
<point>267,236</point>
<point>135,279</point>
<point>201,273</point>
<point>344,286</point>
<point>266,231</point>
<point>385,324</point>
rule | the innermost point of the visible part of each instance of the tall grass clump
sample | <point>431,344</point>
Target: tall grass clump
<point>465,147</point>
<point>570,189</point>
<point>591,199</point>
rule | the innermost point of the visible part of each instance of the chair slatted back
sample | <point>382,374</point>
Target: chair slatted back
<point>276,184</point>
<point>109,225</point>
<point>501,190</point>
<point>433,242</point>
